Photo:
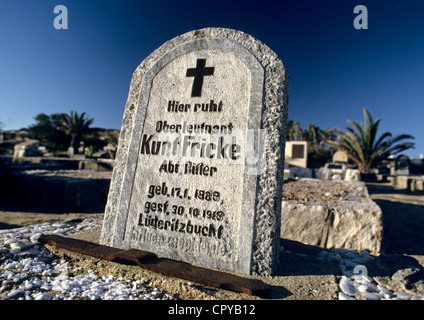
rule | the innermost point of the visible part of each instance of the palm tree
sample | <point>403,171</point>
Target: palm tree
<point>295,132</point>
<point>76,126</point>
<point>363,146</point>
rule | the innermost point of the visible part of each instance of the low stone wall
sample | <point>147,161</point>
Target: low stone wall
<point>51,163</point>
<point>28,148</point>
<point>411,183</point>
<point>350,220</point>
<point>322,174</point>
<point>57,193</point>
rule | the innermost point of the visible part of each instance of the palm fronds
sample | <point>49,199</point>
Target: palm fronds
<point>363,146</point>
<point>76,126</point>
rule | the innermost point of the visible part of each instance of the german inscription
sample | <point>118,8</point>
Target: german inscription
<point>183,204</point>
<point>190,177</point>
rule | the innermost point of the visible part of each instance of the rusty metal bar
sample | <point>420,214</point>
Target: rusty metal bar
<point>168,267</point>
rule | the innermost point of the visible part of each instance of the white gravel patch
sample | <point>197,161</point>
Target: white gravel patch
<point>29,272</point>
<point>355,279</point>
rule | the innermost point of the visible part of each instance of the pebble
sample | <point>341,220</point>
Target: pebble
<point>362,279</point>
<point>362,288</point>
<point>355,280</point>
<point>384,291</point>
<point>343,296</point>
<point>29,272</point>
<point>402,295</point>
<point>347,286</point>
<point>371,296</point>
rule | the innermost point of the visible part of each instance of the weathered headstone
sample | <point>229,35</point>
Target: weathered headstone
<point>402,164</point>
<point>340,157</point>
<point>28,148</point>
<point>199,168</point>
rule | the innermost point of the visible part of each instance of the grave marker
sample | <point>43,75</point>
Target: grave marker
<point>199,168</point>
<point>402,164</point>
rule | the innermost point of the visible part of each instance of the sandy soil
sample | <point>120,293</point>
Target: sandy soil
<point>18,216</point>
<point>403,219</point>
<point>79,174</point>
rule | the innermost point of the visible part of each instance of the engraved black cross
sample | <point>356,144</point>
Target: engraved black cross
<point>198,73</point>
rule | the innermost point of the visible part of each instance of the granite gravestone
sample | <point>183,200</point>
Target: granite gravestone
<point>402,164</point>
<point>199,168</point>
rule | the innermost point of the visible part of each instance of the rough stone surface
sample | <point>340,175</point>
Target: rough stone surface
<point>28,148</point>
<point>256,91</point>
<point>331,214</point>
<point>317,191</point>
<point>399,273</point>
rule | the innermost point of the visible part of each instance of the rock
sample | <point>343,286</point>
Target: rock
<point>370,296</point>
<point>32,252</point>
<point>360,260</point>
<point>352,175</point>
<point>42,296</point>
<point>410,279</point>
<point>366,255</point>
<point>323,174</point>
<point>349,263</point>
<point>297,172</point>
<point>18,246</point>
<point>328,222</point>
<point>362,279</point>
<point>334,257</point>
<point>372,288</point>
<point>384,291</point>
<point>349,254</point>
<point>347,286</point>
<point>10,241</point>
<point>398,273</point>
<point>343,296</point>
<point>362,288</point>
<point>356,225</point>
<point>28,148</point>
<point>34,237</point>
<point>419,185</point>
<point>304,223</point>
<point>402,295</point>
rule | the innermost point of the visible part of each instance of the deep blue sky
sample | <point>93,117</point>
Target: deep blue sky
<point>335,70</point>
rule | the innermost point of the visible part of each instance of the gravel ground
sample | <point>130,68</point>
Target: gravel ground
<point>318,192</point>
<point>30,271</point>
